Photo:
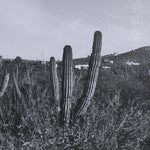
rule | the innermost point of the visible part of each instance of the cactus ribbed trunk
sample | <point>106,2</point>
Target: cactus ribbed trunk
<point>4,84</point>
<point>1,61</point>
<point>16,85</point>
<point>30,85</point>
<point>54,82</point>
<point>67,85</point>
<point>93,72</point>
<point>22,104</point>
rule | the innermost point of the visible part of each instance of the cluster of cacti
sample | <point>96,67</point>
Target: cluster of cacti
<point>64,106</point>
<point>67,80</point>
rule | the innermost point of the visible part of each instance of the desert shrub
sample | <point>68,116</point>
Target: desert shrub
<point>117,119</point>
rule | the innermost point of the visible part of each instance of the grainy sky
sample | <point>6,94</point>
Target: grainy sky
<point>39,29</point>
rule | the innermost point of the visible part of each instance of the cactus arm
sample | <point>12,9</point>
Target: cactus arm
<point>93,72</point>
<point>67,86</point>
<point>16,85</point>
<point>4,84</point>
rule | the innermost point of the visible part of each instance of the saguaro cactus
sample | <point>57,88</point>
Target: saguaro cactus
<point>67,80</point>
<point>16,85</point>
<point>1,61</point>
<point>54,82</point>
<point>4,84</point>
<point>93,71</point>
<point>20,100</point>
<point>67,83</point>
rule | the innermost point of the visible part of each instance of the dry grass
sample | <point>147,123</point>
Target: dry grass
<point>109,124</point>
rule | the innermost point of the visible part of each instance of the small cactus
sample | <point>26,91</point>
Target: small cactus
<point>1,61</point>
<point>93,72</point>
<point>16,85</point>
<point>4,84</point>
<point>67,83</point>
<point>20,102</point>
<point>54,82</point>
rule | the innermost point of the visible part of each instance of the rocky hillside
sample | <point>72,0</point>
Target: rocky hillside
<point>140,55</point>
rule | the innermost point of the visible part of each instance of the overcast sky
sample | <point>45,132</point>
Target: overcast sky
<point>39,29</point>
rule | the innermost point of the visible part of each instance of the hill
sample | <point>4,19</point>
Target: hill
<point>140,55</point>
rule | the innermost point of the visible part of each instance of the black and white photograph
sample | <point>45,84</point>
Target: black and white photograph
<point>74,75</point>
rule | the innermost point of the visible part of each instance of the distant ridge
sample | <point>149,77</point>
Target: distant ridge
<point>140,55</point>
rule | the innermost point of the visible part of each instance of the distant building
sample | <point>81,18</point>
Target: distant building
<point>82,66</point>
<point>106,67</point>
<point>130,63</point>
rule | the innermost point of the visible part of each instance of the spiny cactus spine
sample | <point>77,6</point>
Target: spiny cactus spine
<point>67,83</point>
<point>4,84</point>
<point>93,71</point>
<point>54,82</point>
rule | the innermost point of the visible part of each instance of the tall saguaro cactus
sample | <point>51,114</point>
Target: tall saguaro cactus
<point>54,82</point>
<point>67,83</point>
<point>93,71</point>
